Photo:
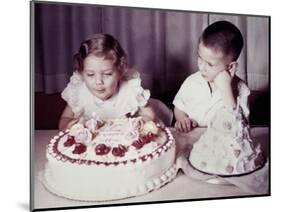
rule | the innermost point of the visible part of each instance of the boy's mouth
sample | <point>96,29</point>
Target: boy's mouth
<point>203,75</point>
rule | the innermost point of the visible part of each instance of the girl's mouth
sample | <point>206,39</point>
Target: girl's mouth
<point>100,91</point>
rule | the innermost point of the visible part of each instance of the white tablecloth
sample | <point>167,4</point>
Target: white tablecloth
<point>183,187</point>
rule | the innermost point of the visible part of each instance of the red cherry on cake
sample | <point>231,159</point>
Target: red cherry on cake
<point>122,147</point>
<point>147,138</point>
<point>79,148</point>
<point>102,149</point>
<point>69,142</point>
<point>119,151</point>
<point>138,144</point>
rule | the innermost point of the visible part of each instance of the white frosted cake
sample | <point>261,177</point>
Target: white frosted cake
<point>114,159</point>
<point>226,147</point>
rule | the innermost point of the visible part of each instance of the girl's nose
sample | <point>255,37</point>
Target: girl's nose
<point>99,80</point>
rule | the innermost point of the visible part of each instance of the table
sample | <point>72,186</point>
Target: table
<point>183,187</point>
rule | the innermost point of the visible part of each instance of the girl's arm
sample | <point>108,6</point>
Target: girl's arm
<point>147,113</point>
<point>67,119</point>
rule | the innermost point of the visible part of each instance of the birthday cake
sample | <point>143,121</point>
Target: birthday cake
<point>226,147</point>
<point>105,160</point>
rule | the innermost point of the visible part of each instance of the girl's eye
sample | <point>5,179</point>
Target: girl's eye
<point>90,74</point>
<point>107,74</point>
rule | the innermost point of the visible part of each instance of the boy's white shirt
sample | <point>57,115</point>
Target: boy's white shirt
<point>129,98</point>
<point>196,100</point>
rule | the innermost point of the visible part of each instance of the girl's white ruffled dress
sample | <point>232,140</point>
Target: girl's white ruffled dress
<point>129,98</point>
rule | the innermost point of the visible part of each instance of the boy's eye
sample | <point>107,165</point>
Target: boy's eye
<point>90,75</point>
<point>108,74</point>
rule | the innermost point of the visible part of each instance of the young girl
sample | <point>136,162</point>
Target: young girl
<point>103,84</point>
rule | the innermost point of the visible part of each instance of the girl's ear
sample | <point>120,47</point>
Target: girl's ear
<point>232,68</point>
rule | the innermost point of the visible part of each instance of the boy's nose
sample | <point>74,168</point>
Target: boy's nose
<point>202,67</point>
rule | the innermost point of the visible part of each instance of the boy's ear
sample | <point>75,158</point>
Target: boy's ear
<point>232,68</point>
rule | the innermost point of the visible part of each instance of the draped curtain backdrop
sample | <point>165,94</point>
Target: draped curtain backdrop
<point>161,44</point>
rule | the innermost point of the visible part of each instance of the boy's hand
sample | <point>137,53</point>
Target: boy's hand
<point>223,83</point>
<point>223,80</point>
<point>185,124</point>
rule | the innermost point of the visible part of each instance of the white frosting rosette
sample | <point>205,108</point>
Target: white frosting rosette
<point>132,135</point>
<point>149,127</point>
<point>84,136</point>
<point>81,134</point>
<point>96,117</point>
<point>92,125</point>
<point>136,123</point>
<point>75,129</point>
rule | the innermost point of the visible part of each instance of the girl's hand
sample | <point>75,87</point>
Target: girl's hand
<point>185,124</point>
<point>147,113</point>
<point>67,119</point>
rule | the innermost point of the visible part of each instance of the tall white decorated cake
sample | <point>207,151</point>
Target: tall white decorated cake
<point>226,147</point>
<point>106,160</point>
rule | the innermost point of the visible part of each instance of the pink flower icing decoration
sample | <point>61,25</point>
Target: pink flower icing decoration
<point>83,136</point>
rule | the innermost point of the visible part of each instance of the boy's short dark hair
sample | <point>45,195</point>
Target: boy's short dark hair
<point>225,37</point>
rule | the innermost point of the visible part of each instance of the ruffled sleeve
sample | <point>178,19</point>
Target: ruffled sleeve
<point>72,92</point>
<point>141,95</point>
<point>132,96</point>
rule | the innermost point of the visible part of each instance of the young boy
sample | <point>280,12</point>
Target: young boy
<point>215,85</point>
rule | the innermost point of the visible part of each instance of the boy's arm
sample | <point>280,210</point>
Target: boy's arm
<point>223,83</point>
<point>67,119</point>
